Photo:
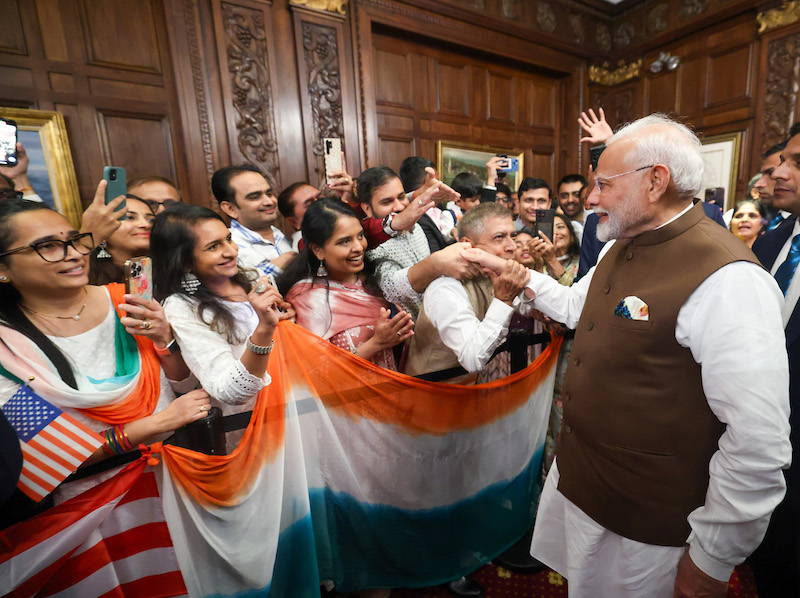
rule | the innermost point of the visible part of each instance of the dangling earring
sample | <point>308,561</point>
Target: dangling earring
<point>322,271</point>
<point>3,278</point>
<point>103,254</point>
<point>190,283</point>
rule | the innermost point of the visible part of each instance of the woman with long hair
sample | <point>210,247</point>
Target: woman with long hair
<point>131,239</point>
<point>72,342</point>
<point>331,286</point>
<point>222,317</point>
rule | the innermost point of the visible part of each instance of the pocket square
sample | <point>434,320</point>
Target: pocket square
<point>632,308</point>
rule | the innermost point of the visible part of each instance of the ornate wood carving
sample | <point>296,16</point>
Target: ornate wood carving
<point>321,55</point>
<point>603,37</point>
<point>623,36</point>
<point>576,24</point>
<point>337,6</point>
<point>624,72</point>
<point>780,101</point>
<point>786,14</point>
<point>692,8</point>
<point>657,19</point>
<point>546,17</point>
<point>196,60</point>
<point>247,52</point>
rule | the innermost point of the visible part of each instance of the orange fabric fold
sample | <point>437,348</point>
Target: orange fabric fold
<point>351,387</point>
<point>142,401</point>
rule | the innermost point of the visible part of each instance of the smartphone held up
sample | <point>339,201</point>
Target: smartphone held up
<point>8,142</point>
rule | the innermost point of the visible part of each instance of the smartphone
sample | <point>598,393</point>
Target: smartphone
<point>139,277</point>
<point>117,185</point>
<point>512,164</point>
<point>8,142</point>
<point>333,156</point>
<point>594,155</point>
<point>544,223</point>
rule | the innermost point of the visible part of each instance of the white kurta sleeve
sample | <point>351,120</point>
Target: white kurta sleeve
<point>210,357</point>
<point>732,324</point>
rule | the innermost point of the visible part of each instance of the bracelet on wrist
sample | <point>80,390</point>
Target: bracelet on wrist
<point>171,348</point>
<point>259,349</point>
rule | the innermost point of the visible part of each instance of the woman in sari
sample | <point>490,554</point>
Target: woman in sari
<point>72,344</point>
<point>331,287</point>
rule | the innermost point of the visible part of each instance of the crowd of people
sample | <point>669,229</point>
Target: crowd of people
<point>669,426</point>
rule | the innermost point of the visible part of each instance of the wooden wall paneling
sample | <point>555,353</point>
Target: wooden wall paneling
<point>661,93</point>
<point>243,31</point>
<point>500,96</point>
<point>12,36</point>
<point>728,77</point>
<point>779,71</point>
<point>121,34</point>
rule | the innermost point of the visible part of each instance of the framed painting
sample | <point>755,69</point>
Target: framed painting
<point>453,157</point>
<point>43,134</point>
<point>721,157</point>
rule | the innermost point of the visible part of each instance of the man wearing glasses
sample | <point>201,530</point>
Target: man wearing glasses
<point>156,191</point>
<point>676,394</point>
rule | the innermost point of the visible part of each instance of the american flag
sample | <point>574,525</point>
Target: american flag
<point>53,444</point>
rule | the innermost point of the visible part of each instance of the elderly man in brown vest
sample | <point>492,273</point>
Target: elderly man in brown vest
<point>463,322</point>
<point>676,396</point>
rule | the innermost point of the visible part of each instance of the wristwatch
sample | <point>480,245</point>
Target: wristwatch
<point>387,225</point>
<point>171,348</point>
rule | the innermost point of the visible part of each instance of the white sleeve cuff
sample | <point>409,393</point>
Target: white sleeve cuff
<point>708,564</point>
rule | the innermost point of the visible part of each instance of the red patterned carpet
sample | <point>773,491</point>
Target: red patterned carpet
<point>500,583</point>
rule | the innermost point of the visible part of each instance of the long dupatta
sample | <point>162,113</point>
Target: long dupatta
<point>131,394</point>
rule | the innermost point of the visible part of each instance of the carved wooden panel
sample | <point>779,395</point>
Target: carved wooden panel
<point>120,34</point>
<point>143,145</point>
<point>728,77</point>
<point>500,97</point>
<point>12,38</point>
<point>691,73</point>
<point>244,55</point>
<point>54,21</point>
<point>780,93</point>
<point>543,167</point>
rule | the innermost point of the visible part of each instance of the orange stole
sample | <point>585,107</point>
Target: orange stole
<point>351,387</point>
<point>142,401</point>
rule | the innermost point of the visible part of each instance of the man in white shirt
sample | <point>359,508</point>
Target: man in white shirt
<point>463,322</point>
<point>676,411</point>
<point>246,196</point>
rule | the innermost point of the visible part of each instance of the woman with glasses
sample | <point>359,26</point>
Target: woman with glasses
<point>131,239</point>
<point>72,342</point>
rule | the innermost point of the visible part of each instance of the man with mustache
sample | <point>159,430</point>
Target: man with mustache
<point>670,438</point>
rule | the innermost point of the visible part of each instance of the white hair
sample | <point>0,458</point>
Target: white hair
<point>662,140</point>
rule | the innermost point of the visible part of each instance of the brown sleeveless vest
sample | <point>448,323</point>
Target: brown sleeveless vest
<point>426,351</point>
<point>638,433</point>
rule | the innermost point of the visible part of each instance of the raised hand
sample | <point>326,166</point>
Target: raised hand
<point>598,129</point>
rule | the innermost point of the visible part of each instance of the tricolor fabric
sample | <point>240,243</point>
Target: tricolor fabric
<point>110,541</point>
<point>53,443</point>
<point>360,475</point>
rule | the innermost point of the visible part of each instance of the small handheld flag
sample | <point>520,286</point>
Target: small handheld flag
<point>53,444</point>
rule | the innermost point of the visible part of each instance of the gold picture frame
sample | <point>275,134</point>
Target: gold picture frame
<point>453,157</point>
<point>43,134</point>
<point>721,156</point>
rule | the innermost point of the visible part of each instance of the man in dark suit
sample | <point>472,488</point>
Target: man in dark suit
<point>775,563</point>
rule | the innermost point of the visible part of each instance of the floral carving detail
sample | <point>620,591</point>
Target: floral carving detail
<point>321,53</point>
<point>337,6</point>
<point>603,37</point>
<point>576,24</point>
<point>780,101</point>
<point>247,52</point>
<point>546,17</point>
<point>657,19</point>
<point>511,9</point>
<point>623,36</point>
<point>692,8</point>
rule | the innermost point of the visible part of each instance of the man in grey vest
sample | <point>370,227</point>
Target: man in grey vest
<point>676,396</point>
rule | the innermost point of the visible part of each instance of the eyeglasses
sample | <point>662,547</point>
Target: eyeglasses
<point>9,193</point>
<point>55,250</point>
<point>602,182</point>
<point>154,204</point>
